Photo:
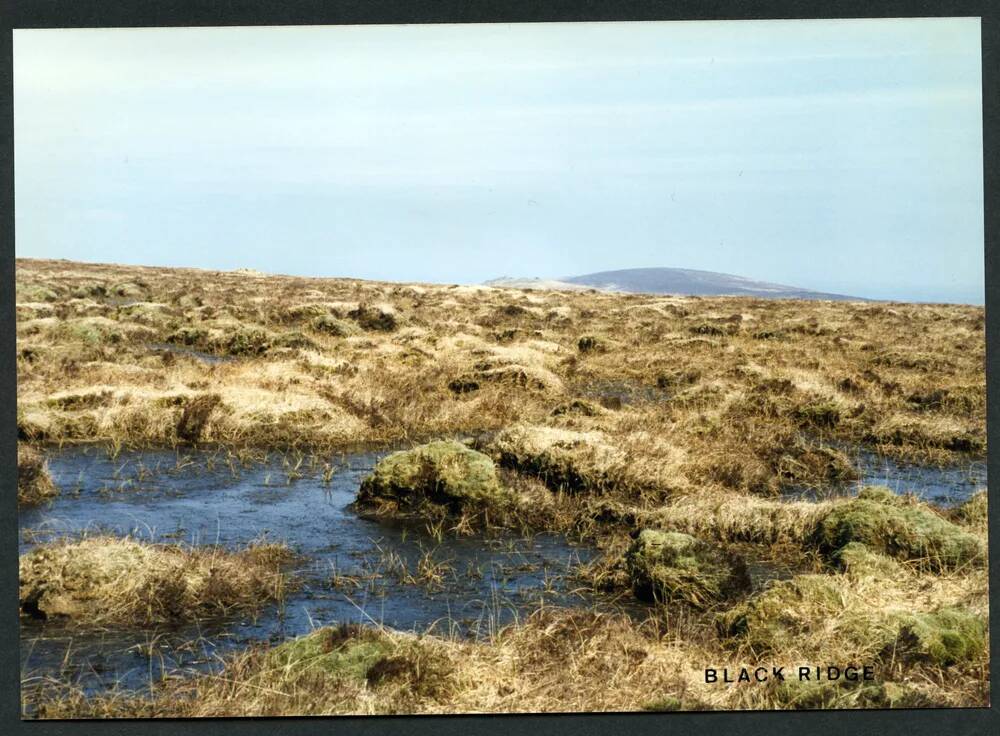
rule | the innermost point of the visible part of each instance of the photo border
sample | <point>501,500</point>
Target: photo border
<point>145,13</point>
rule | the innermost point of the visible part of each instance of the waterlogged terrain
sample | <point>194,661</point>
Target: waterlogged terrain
<point>945,486</point>
<point>657,484</point>
<point>351,569</point>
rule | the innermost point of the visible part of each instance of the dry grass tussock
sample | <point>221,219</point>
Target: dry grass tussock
<point>34,484</point>
<point>100,580</point>
<point>605,415</point>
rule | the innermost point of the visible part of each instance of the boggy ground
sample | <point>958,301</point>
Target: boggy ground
<point>601,415</point>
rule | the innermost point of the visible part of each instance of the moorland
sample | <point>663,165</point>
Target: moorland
<point>681,437</point>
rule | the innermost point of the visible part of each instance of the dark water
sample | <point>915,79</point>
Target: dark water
<point>355,570</point>
<point>191,353</point>
<point>944,486</point>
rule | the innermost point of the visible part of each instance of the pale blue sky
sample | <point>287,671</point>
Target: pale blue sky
<point>842,156</point>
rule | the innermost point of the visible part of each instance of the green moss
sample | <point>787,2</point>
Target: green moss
<point>444,473</point>
<point>344,652</point>
<point>664,704</point>
<point>880,494</point>
<point>904,531</point>
<point>856,559</point>
<point>815,695</point>
<point>672,566</point>
<point>943,637</point>
<point>90,332</point>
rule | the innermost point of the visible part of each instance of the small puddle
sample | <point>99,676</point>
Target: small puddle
<point>352,571</point>
<point>944,486</point>
<point>191,353</point>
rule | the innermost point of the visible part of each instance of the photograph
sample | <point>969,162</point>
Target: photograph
<point>489,368</point>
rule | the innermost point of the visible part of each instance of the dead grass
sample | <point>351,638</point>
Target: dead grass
<point>34,484</point>
<point>608,413</point>
<point>102,579</point>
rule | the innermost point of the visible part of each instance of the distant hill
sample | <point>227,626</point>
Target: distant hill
<point>681,281</point>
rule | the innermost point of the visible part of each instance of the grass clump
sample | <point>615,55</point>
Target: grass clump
<point>797,694</point>
<point>673,566</point>
<point>330,325</point>
<point>565,460</point>
<point>343,652</point>
<point>444,475</point>
<point>944,637</point>
<point>374,318</point>
<point>792,612</point>
<point>195,415</point>
<point>107,579</point>
<point>34,484</point>
<point>856,559</point>
<point>665,704</point>
<point>244,341</point>
<point>884,523</point>
<point>974,512</point>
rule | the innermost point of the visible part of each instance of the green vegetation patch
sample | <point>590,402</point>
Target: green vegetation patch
<point>342,652</point>
<point>782,612</point>
<point>856,559</point>
<point>906,531</point>
<point>445,474</point>
<point>672,566</point>
<point>943,637</point>
<point>798,694</point>
<point>35,293</point>
<point>662,705</point>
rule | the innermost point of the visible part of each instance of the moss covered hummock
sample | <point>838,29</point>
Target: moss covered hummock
<point>672,566</point>
<point>444,474</point>
<point>893,526</point>
<point>343,652</point>
<point>943,637</point>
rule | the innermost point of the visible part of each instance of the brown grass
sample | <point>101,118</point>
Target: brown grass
<point>608,413</point>
<point>101,579</point>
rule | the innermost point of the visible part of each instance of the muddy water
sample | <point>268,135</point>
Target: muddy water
<point>944,486</point>
<point>354,570</point>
